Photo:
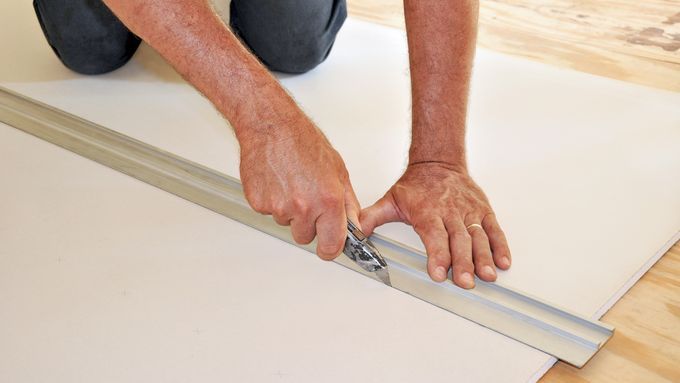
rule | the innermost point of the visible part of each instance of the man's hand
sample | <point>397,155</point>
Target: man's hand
<point>288,168</point>
<point>435,194</point>
<point>440,202</point>
<point>302,182</point>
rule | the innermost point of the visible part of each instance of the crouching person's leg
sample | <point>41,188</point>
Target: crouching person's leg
<point>86,36</point>
<point>291,36</point>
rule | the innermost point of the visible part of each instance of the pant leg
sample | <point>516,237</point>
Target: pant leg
<point>291,36</point>
<point>86,36</point>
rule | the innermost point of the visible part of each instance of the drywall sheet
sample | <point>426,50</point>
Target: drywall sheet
<point>581,170</point>
<point>104,278</point>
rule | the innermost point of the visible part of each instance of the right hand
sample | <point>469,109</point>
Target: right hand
<point>296,176</point>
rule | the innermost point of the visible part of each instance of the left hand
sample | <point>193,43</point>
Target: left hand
<point>441,202</point>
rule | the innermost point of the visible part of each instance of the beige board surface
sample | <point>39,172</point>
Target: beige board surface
<point>105,278</point>
<point>572,146</point>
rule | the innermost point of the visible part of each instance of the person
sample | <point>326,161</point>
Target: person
<point>287,166</point>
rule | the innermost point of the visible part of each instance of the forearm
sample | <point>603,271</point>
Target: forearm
<point>191,37</point>
<point>441,41</point>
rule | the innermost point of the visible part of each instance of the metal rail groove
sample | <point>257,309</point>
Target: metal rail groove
<point>567,336</point>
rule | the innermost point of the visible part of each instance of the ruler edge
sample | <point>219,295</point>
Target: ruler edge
<point>220,186</point>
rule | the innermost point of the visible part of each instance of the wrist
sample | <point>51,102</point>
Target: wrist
<point>438,138</point>
<point>452,166</point>
<point>271,116</point>
<point>274,128</point>
<point>448,153</point>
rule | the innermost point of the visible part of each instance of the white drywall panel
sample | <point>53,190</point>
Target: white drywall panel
<point>582,171</point>
<point>105,278</point>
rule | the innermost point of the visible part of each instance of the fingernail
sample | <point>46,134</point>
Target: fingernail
<point>488,270</point>
<point>467,280</point>
<point>357,223</point>
<point>440,274</point>
<point>504,262</point>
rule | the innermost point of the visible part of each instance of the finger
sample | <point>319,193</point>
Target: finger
<point>303,229</point>
<point>497,242</point>
<point>481,254</point>
<point>381,212</point>
<point>436,240</point>
<point>461,253</point>
<point>352,207</point>
<point>281,219</point>
<point>331,231</point>
<point>280,214</point>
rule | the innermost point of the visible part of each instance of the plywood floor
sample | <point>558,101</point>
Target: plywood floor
<point>646,344</point>
<point>635,41</point>
<point>627,40</point>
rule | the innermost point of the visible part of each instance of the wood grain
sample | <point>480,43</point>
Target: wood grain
<point>646,344</point>
<point>634,41</point>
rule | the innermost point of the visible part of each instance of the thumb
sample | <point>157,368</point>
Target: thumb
<point>352,207</point>
<point>381,212</point>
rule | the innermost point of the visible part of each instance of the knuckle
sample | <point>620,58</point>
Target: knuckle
<point>302,238</point>
<point>258,205</point>
<point>280,220</point>
<point>483,256</point>
<point>462,262</point>
<point>279,210</point>
<point>256,201</point>
<point>300,206</point>
<point>330,199</point>
<point>439,254</point>
<point>499,234</point>
<point>488,213</point>
<point>483,251</point>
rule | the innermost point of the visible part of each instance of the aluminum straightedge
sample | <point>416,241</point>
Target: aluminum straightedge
<point>567,336</point>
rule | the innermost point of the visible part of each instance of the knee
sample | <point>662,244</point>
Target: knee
<point>292,36</point>
<point>85,35</point>
<point>87,57</point>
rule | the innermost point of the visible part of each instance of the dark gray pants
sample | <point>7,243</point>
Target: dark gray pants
<point>291,36</point>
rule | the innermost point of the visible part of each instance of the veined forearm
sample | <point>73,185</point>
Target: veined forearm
<point>192,38</point>
<point>441,41</point>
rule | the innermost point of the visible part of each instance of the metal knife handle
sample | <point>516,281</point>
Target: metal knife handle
<point>360,250</point>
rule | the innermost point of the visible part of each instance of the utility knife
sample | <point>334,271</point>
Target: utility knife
<point>360,250</point>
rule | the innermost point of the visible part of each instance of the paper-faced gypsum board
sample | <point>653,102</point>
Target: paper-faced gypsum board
<point>567,336</point>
